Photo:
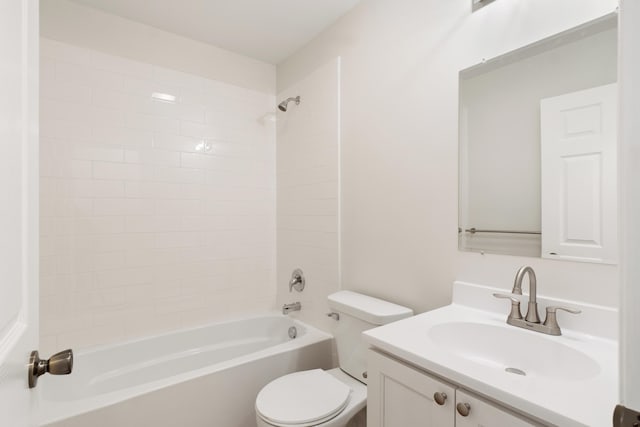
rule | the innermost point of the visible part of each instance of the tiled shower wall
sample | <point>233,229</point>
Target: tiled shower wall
<point>154,215</point>
<point>309,192</point>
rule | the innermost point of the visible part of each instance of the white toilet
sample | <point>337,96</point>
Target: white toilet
<point>330,398</point>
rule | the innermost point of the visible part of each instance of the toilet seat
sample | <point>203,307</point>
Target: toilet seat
<point>302,399</point>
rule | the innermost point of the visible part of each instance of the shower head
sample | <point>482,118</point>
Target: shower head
<point>283,105</point>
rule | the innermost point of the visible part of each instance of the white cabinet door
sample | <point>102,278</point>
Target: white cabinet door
<point>18,206</point>
<point>484,414</point>
<point>579,175</point>
<point>401,396</point>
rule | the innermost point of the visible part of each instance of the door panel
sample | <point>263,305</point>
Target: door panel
<point>18,206</point>
<point>579,175</point>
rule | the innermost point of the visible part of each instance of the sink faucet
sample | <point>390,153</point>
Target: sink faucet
<point>532,307</point>
<point>532,319</point>
<point>296,306</point>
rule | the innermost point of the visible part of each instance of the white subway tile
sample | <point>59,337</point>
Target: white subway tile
<point>179,240</point>
<point>67,131</point>
<point>153,214</point>
<point>123,207</point>
<point>322,223</point>
<point>153,190</point>
<point>153,157</point>
<point>97,225</point>
<point>91,188</point>
<point>105,117</point>
<point>64,52</point>
<point>178,79</point>
<point>109,260</point>
<point>323,190</point>
<point>178,175</point>
<point>145,87</point>
<point>116,64</point>
<point>122,136</point>
<point>95,152</point>
<point>176,143</point>
<point>122,171</point>
<point>200,130</point>
<point>151,123</point>
<point>179,207</point>
<point>66,92</point>
<point>123,277</point>
<point>107,97</point>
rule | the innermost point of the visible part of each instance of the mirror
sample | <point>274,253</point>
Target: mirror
<point>537,140</point>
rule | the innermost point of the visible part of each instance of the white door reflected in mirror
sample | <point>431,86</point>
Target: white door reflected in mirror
<point>578,175</point>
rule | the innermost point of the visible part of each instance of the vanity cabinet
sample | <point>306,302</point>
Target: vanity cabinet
<point>400,395</point>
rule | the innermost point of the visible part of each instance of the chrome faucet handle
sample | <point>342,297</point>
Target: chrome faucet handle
<point>515,305</point>
<point>334,316</point>
<point>551,322</point>
<point>297,280</point>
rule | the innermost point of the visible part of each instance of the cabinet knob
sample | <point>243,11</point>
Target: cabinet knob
<point>440,397</point>
<point>463,409</point>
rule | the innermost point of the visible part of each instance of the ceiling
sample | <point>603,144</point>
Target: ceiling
<point>268,30</point>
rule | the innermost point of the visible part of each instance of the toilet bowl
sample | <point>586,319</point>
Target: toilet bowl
<point>329,398</point>
<point>310,398</point>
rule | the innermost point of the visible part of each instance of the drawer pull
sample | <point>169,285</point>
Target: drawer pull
<point>440,397</point>
<point>463,409</point>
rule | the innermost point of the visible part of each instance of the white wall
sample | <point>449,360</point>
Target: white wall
<point>400,63</point>
<point>84,26</point>
<point>154,216</point>
<point>308,192</point>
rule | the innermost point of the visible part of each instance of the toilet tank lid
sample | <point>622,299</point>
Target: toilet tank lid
<point>369,309</point>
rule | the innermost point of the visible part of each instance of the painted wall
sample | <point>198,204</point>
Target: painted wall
<point>399,156</point>
<point>308,170</point>
<point>79,25</point>
<point>154,215</point>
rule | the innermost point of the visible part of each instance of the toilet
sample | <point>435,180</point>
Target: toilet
<point>330,398</point>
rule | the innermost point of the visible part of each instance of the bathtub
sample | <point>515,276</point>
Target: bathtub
<point>206,376</point>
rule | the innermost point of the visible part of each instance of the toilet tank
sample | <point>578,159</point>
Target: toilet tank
<point>358,313</point>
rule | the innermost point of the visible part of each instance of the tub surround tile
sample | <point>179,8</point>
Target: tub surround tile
<point>309,193</point>
<point>154,215</point>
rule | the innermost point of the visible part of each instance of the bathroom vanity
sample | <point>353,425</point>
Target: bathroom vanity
<point>463,365</point>
<point>403,395</point>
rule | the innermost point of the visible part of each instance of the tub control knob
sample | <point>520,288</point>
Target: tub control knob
<point>59,364</point>
<point>463,409</point>
<point>440,397</point>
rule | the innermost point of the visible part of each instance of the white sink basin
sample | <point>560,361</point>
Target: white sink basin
<point>512,350</point>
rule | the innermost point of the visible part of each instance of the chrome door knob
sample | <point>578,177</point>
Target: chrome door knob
<point>59,364</point>
<point>463,409</point>
<point>440,397</point>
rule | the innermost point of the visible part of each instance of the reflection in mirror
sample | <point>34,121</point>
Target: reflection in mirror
<point>537,148</point>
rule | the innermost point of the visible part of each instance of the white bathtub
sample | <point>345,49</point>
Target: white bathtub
<point>208,376</point>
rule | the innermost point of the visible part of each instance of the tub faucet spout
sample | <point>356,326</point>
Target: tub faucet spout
<point>296,306</point>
